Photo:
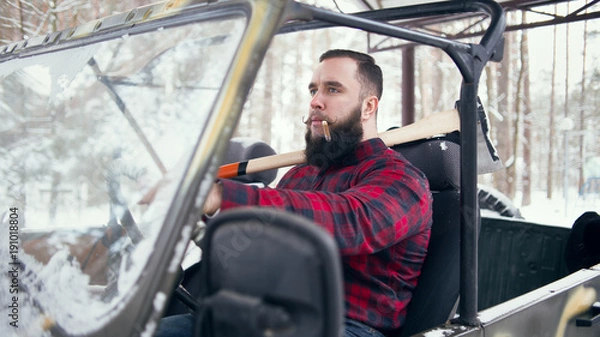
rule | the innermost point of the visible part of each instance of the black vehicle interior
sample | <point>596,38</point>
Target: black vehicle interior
<point>242,149</point>
<point>582,250</point>
<point>266,272</point>
<point>436,296</point>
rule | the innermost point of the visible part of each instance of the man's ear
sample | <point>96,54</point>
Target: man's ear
<point>369,107</point>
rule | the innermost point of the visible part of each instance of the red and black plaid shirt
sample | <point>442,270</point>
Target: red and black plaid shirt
<point>377,207</point>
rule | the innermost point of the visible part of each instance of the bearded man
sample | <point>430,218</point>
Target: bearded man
<point>375,204</point>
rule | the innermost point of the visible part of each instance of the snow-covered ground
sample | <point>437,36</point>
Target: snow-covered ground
<point>559,211</point>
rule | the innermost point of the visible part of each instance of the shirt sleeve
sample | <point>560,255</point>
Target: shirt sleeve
<point>385,206</point>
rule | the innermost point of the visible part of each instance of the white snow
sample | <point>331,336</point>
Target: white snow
<point>559,211</point>
<point>438,333</point>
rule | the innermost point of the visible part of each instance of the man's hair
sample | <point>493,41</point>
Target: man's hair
<point>369,74</point>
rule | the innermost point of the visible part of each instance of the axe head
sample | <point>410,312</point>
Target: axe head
<point>488,160</point>
<point>487,157</point>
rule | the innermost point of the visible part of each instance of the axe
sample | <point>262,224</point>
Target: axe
<point>439,123</point>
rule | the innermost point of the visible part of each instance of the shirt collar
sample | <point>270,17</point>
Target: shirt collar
<point>364,150</point>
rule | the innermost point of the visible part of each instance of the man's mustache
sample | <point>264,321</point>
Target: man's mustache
<point>306,120</point>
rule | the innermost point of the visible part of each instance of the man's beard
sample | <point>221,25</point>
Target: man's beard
<point>345,136</point>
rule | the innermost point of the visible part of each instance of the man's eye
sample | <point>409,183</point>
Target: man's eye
<point>312,92</point>
<point>333,90</point>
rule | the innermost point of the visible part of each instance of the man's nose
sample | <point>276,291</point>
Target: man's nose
<point>317,101</point>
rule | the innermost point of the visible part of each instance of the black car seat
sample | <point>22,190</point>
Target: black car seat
<point>266,272</point>
<point>583,249</point>
<point>243,149</point>
<point>435,298</point>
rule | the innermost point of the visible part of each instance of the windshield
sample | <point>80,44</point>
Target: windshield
<point>87,136</point>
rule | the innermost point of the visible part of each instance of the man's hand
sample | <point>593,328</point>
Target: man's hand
<point>213,200</point>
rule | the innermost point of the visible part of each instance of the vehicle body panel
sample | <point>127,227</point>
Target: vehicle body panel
<point>517,256</point>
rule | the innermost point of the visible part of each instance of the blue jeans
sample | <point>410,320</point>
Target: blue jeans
<point>183,326</point>
<point>176,326</point>
<point>354,328</point>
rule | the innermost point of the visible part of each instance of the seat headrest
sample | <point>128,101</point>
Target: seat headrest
<point>242,149</point>
<point>582,249</point>
<point>438,158</point>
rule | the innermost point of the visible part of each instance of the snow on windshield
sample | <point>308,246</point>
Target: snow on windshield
<point>88,134</point>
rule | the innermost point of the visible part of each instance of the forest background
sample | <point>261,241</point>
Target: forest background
<point>543,98</point>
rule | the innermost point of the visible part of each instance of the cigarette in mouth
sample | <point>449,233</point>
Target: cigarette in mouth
<point>326,131</point>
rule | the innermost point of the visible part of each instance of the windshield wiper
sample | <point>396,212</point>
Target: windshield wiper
<point>121,105</point>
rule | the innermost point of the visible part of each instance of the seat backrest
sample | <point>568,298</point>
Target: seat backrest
<point>265,271</point>
<point>242,149</point>
<point>582,249</point>
<point>436,294</point>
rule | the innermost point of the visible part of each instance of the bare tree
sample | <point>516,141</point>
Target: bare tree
<point>517,125</point>
<point>582,107</point>
<point>22,19</point>
<point>513,120</point>
<point>566,106</point>
<point>551,126</point>
<point>501,120</point>
<point>270,85</point>
<point>526,106</point>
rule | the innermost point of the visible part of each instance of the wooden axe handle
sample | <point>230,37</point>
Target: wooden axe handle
<point>439,123</point>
